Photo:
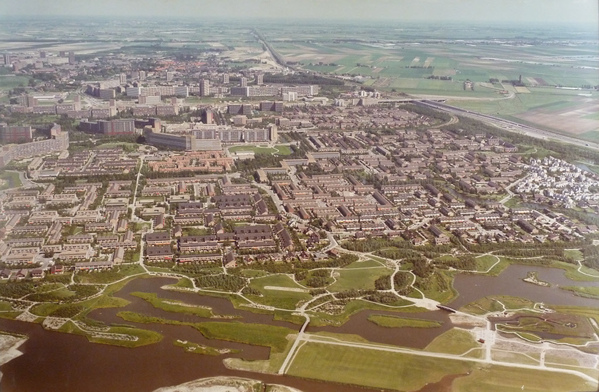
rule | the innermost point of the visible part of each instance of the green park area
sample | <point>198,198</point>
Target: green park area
<point>455,341</point>
<point>9,180</point>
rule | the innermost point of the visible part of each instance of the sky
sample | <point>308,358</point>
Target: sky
<point>533,11</point>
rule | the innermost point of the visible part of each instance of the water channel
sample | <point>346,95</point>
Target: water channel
<point>55,361</point>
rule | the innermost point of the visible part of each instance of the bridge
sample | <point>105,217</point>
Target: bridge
<point>447,308</point>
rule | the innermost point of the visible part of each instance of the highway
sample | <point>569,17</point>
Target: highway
<point>510,125</point>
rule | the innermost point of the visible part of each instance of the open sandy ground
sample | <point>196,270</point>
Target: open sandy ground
<point>223,384</point>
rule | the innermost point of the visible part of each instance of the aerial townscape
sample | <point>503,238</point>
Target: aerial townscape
<point>218,205</point>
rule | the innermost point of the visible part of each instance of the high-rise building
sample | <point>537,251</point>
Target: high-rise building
<point>170,76</point>
<point>182,91</point>
<point>225,78</point>
<point>106,93</point>
<point>6,57</point>
<point>133,91</point>
<point>31,101</point>
<point>59,141</point>
<point>14,134</point>
<point>243,82</point>
<point>185,142</point>
<point>290,96</point>
<point>273,133</point>
<point>259,79</point>
<point>42,54</point>
<point>71,58</point>
<point>150,99</point>
<point>113,127</point>
<point>142,75</point>
<point>204,87</point>
<point>123,78</point>
<point>77,102</point>
<point>208,117</point>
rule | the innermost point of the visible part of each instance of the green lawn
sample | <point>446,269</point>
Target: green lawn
<point>399,322</point>
<point>491,304</point>
<point>255,334</point>
<point>574,254</point>
<point>175,306</point>
<point>455,341</point>
<point>483,263</point>
<point>370,263</point>
<point>372,368</point>
<point>590,292</point>
<point>355,306</point>
<point>144,336</point>
<point>360,279</point>
<point>278,298</point>
<point>274,280</point>
<point>8,82</point>
<point>9,180</point>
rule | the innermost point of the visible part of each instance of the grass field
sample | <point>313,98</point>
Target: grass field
<point>355,306</point>
<point>455,341</point>
<point>360,279</point>
<point>400,322</point>
<point>590,292</point>
<point>373,368</point>
<point>144,336</point>
<point>483,263</point>
<point>9,180</point>
<point>174,306</point>
<point>491,304</point>
<point>277,297</point>
<point>255,334</point>
<point>8,82</point>
<point>372,262</point>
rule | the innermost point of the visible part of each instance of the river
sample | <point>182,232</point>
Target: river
<point>55,361</point>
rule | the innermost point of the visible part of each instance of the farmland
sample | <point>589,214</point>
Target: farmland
<point>556,76</point>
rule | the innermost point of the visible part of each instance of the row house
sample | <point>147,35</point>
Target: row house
<point>201,258</point>
<point>158,238</point>
<point>24,242</point>
<point>76,252</point>
<point>98,227</point>
<point>80,239</point>
<point>93,265</point>
<point>159,253</point>
<point>87,216</point>
<point>30,229</point>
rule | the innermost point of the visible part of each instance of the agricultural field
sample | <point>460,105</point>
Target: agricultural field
<point>557,80</point>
